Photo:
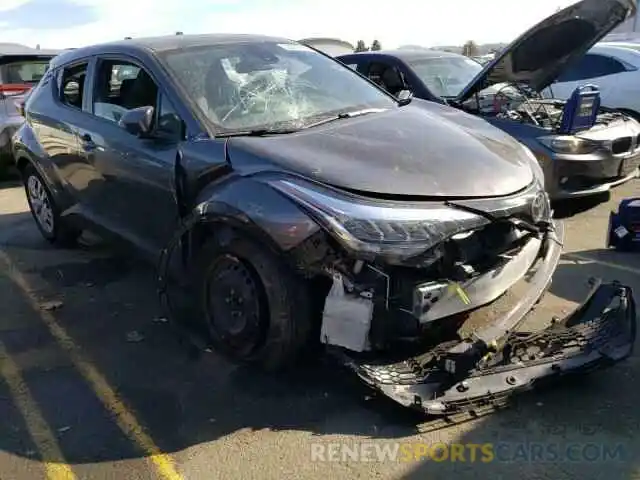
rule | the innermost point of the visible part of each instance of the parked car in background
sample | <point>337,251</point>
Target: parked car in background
<point>484,59</point>
<point>508,92</point>
<point>305,216</point>
<point>614,68</point>
<point>20,69</point>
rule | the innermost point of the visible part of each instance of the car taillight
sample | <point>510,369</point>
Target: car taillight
<point>10,89</point>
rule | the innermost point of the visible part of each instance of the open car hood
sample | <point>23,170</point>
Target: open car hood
<point>538,56</point>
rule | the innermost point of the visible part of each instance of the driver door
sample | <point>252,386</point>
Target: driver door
<point>137,201</point>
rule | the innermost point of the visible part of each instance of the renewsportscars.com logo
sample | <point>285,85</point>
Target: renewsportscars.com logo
<point>529,452</point>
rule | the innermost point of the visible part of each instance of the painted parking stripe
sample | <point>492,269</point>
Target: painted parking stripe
<point>604,263</point>
<point>45,441</point>
<point>162,462</point>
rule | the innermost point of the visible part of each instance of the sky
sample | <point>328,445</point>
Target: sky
<point>75,23</point>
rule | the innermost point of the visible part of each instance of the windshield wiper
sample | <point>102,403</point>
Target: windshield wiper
<point>343,115</point>
<point>257,132</point>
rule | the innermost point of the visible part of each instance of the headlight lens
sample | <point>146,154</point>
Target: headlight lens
<point>569,144</point>
<point>379,228</point>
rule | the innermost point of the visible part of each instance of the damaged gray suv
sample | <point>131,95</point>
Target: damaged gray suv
<point>308,206</point>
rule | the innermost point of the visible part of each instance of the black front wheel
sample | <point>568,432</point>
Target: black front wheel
<point>256,309</point>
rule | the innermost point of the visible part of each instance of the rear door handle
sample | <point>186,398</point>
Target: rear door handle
<point>87,143</point>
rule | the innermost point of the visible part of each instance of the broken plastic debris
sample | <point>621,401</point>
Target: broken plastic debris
<point>160,320</point>
<point>51,305</point>
<point>621,231</point>
<point>134,336</point>
<point>64,429</point>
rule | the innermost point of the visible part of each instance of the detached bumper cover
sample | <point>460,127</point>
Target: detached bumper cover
<point>598,334</point>
<point>467,376</point>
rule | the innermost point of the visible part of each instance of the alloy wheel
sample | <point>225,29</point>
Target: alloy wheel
<point>40,204</point>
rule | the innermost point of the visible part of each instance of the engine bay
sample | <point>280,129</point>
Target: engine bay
<point>521,104</point>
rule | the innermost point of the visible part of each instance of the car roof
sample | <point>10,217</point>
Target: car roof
<point>164,43</point>
<point>406,54</point>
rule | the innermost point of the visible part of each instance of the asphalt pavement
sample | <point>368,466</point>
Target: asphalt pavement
<point>95,385</point>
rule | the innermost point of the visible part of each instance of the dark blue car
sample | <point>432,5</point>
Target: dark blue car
<point>507,92</point>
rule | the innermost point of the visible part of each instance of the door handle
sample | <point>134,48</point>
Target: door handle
<point>87,142</point>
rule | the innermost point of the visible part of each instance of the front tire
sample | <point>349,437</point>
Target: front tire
<point>256,309</point>
<point>45,212</point>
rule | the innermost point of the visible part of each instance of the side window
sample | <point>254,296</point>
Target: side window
<point>120,86</point>
<point>374,72</point>
<point>592,66</point>
<point>72,85</point>
<point>353,66</point>
<point>169,123</point>
<point>387,76</point>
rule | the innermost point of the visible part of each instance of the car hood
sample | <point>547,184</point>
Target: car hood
<point>539,55</point>
<point>423,149</point>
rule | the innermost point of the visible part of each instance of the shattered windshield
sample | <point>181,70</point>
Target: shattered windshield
<point>247,86</point>
<point>445,76</point>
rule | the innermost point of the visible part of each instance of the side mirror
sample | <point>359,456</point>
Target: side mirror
<point>405,96</point>
<point>138,121</point>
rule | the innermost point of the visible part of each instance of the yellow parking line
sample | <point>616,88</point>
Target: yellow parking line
<point>163,463</point>
<point>45,441</point>
<point>604,263</point>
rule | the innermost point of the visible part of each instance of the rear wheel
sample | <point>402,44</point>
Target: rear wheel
<point>45,212</point>
<point>256,309</point>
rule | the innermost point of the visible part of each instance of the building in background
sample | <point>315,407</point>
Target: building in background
<point>330,46</point>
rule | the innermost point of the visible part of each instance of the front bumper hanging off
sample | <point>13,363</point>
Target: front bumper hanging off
<point>470,376</point>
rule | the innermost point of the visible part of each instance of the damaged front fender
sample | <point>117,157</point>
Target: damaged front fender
<point>259,208</point>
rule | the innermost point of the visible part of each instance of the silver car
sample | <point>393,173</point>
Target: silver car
<point>21,68</point>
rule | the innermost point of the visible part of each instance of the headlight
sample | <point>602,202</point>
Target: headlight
<point>569,144</point>
<point>379,228</point>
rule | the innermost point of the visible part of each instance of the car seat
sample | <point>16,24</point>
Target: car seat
<point>143,92</point>
<point>392,81</point>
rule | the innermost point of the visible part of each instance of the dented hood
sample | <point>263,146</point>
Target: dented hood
<point>539,55</point>
<point>422,149</point>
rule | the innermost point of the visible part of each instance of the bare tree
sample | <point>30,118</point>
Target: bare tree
<point>376,45</point>
<point>361,47</point>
